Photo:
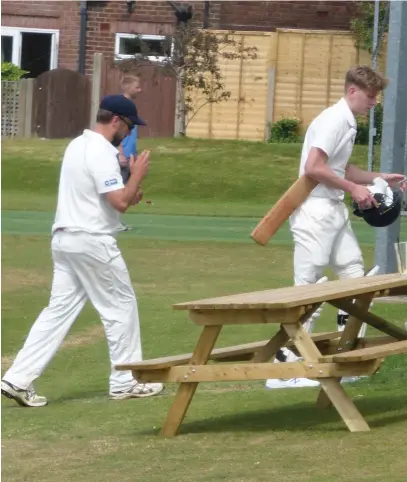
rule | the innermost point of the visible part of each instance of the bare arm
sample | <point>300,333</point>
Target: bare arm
<point>121,199</point>
<point>359,176</point>
<point>317,168</point>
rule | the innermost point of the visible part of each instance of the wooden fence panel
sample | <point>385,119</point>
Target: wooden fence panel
<point>308,68</point>
<point>62,104</point>
<point>155,103</point>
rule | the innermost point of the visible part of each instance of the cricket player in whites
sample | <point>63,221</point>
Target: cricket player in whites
<point>88,264</point>
<point>321,227</point>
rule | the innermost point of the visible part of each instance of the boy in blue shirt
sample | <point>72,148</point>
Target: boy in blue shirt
<point>130,85</point>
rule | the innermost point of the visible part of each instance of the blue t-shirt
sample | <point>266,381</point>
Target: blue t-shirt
<point>129,143</point>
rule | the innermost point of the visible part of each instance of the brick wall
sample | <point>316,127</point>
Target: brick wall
<point>63,16</point>
<point>148,17</point>
<point>104,20</point>
<point>267,16</point>
<point>152,17</point>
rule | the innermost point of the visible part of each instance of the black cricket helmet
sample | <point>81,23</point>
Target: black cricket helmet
<point>381,215</point>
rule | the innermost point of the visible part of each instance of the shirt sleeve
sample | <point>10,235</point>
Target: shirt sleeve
<point>104,169</point>
<point>129,143</point>
<point>328,134</point>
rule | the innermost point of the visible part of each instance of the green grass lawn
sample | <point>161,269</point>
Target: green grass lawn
<point>187,176</point>
<point>233,431</point>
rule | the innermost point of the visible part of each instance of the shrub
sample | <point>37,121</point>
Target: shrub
<point>285,130</point>
<point>10,72</point>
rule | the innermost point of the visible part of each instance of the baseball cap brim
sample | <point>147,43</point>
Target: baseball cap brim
<point>140,122</point>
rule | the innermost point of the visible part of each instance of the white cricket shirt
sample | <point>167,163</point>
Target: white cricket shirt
<point>90,169</point>
<point>326,132</point>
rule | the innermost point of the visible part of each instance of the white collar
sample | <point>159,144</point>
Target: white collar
<point>87,133</point>
<point>349,114</point>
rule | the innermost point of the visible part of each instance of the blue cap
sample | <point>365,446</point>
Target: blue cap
<point>122,106</point>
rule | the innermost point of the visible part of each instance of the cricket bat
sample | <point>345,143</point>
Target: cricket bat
<point>282,210</point>
<point>290,201</point>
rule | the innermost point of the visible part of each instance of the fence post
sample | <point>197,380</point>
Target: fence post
<point>96,84</point>
<point>29,108</point>
<point>177,121</point>
<point>22,103</point>
<point>270,102</point>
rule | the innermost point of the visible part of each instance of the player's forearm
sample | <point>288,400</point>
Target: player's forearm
<point>130,190</point>
<point>359,176</point>
<point>324,175</point>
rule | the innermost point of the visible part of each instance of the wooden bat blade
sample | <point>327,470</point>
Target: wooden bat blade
<point>282,210</point>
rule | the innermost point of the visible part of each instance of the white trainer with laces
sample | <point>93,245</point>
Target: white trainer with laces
<point>25,398</point>
<point>138,390</point>
<point>291,383</point>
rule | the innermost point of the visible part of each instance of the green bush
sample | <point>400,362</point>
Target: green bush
<point>362,136</point>
<point>285,130</point>
<point>11,72</point>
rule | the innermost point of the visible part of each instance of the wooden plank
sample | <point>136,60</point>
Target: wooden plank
<point>295,296</point>
<point>245,317</point>
<point>330,347</point>
<point>371,353</point>
<point>303,342</point>
<point>254,371</point>
<point>372,320</point>
<point>270,101</point>
<point>344,405</point>
<point>218,354</point>
<point>349,337</point>
<point>22,105</point>
<point>29,127</point>
<point>331,386</point>
<point>270,350</point>
<point>186,391</point>
<point>96,87</point>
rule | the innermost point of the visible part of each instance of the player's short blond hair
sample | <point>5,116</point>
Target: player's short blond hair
<point>128,79</point>
<point>365,78</point>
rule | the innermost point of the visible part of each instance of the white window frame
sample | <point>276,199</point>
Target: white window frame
<point>153,58</point>
<point>16,32</point>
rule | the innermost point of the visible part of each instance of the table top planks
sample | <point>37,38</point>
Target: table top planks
<point>295,296</point>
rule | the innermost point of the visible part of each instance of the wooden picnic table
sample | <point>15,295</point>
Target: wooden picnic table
<point>326,357</point>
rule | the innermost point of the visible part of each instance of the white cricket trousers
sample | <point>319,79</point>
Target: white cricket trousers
<point>323,237</point>
<point>86,267</point>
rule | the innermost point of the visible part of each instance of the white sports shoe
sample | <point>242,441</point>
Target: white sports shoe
<point>25,398</point>
<point>352,379</point>
<point>138,390</point>
<point>124,227</point>
<point>291,383</point>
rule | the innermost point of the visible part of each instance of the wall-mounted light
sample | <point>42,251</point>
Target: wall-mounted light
<point>130,6</point>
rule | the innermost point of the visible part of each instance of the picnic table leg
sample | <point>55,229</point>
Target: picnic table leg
<point>271,349</point>
<point>186,391</point>
<point>331,386</point>
<point>347,341</point>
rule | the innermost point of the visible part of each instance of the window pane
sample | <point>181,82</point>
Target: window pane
<point>36,53</point>
<point>129,46</point>
<point>6,48</point>
<point>137,45</point>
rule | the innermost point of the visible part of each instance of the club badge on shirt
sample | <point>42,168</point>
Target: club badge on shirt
<point>111,182</point>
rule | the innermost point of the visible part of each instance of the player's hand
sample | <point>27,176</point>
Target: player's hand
<point>395,180</point>
<point>363,197</point>
<point>139,166</point>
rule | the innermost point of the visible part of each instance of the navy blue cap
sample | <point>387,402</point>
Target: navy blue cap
<point>122,106</point>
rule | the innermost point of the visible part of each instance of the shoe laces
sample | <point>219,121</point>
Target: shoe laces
<point>31,394</point>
